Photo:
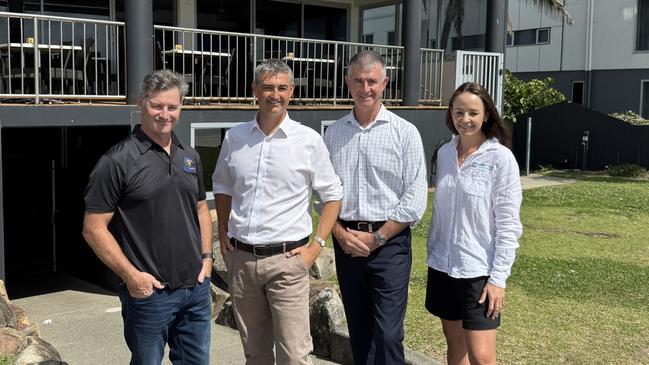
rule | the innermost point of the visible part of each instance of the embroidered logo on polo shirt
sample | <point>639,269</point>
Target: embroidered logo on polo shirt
<point>189,166</point>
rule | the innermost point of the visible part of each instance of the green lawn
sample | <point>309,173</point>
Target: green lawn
<point>579,290</point>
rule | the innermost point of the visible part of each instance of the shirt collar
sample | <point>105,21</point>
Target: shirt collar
<point>144,143</point>
<point>382,116</point>
<point>486,145</point>
<point>286,127</point>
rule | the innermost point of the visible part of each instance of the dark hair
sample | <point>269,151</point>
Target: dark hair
<point>494,126</point>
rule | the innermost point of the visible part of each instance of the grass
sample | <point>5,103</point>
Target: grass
<point>579,289</point>
<point>7,359</point>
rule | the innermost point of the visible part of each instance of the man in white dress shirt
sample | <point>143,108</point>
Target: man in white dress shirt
<point>263,181</point>
<point>380,160</point>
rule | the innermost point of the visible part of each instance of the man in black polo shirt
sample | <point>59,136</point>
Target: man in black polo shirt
<point>147,220</point>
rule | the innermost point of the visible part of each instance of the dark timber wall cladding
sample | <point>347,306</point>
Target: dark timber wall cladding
<point>558,134</point>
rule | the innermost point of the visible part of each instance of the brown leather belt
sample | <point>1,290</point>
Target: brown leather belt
<point>364,226</point>
<point>270,249</point>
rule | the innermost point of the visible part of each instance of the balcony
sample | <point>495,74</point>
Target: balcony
<point>47,59</point>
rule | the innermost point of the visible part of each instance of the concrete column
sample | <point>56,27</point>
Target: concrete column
<point>3,274</point>
<point>139,45</point>
<point>186,13</point>
<point>411,30</point>
<point>496,32</point>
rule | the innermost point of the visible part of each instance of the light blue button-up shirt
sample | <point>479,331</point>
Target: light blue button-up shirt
<point>476,216</point>
<point>382,167</point>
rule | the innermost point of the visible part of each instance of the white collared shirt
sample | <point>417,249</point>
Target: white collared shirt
<point>271,179</point>
<point>382,167</point>
<point>476,216</point>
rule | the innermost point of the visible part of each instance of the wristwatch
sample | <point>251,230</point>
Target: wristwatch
<point>322,242</point>
<point>208,255</point>
<point>379,239</point>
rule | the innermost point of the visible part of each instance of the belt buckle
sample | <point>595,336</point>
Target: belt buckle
<point>366,224</point>
<point>254,250</point>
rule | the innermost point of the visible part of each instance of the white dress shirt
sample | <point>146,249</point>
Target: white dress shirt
<point>382,167</point>
<point>271,179</point>
<point>476,223</point>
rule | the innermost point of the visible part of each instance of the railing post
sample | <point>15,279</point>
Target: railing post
<point>37,70</point>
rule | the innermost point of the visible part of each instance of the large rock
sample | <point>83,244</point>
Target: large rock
<point>328,324</point>
<point>219,297</point>
<point>38,352</point>
<point>324,266</point>
<point>11,341</point>
<point>226,316</point>
<point>7,316</point>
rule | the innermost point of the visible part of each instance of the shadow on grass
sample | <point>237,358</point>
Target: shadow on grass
<point>584,279</point>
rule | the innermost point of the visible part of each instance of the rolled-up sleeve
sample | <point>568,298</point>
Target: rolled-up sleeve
<point>222,181</point>
<point>506,199</point>
<point>323,177</point>
<point>412,204</point>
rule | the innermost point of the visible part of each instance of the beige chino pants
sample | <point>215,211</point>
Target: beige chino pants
<point>270,296</point>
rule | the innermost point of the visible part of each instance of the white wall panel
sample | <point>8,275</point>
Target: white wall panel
<point>550,54</point>
<point>528,59</point>
<point>574,36</point>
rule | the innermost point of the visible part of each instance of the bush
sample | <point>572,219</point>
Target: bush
<point>631,118</point>
<point>627,170</point>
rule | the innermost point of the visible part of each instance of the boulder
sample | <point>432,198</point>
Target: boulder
<point>324,266</point>
<point>11,341</point>
<point>7,316</point>
<point>219,297</point>
<point>328,324</point>
<point>38,352</point>
<point>226,316</point>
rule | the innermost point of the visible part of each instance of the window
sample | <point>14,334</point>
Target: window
<point>525,37</point>
<point>381,23</point>
<point>644,99</point>
<point>528,37</point>
<point>577,96</point>
<point>206,138</point>
<point>543,36</point>
<point>643,26</point>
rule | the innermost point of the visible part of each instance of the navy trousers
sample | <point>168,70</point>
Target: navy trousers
<point>375,294</point>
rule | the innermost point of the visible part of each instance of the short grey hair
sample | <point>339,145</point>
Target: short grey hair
<point>365,59</point>
<point>274,66</point>
<point>162,80</point>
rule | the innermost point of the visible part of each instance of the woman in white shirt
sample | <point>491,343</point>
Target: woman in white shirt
<point>475,227</point>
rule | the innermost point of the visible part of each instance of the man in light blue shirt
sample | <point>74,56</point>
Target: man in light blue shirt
<point>380,160</point>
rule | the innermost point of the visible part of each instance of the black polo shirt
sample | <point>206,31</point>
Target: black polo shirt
<point>154,197</point>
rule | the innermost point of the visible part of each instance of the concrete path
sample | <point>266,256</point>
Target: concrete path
<point>535,181</point>
<point>83,322</point>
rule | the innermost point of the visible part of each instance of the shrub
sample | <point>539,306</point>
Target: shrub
<point>627,170</point>
<point>631,118</point>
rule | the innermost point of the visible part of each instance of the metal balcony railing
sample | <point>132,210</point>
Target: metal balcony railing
<point>50,58</point>
<point>219,65</point>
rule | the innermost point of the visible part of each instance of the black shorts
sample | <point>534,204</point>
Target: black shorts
<point>457,299</point>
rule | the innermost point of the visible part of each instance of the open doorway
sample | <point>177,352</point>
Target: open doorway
<point>44,173</point>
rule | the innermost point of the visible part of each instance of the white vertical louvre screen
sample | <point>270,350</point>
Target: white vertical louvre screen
<point>485,68</point>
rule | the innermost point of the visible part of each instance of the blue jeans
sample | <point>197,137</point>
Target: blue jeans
<point>180,317</point>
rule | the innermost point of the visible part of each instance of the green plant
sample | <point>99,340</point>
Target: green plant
<point>631,118</point>
<point>524,96</point>
<point>7,359</point>
<point>627,170</point>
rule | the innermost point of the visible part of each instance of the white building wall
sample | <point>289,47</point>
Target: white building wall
<point>614,27</point>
